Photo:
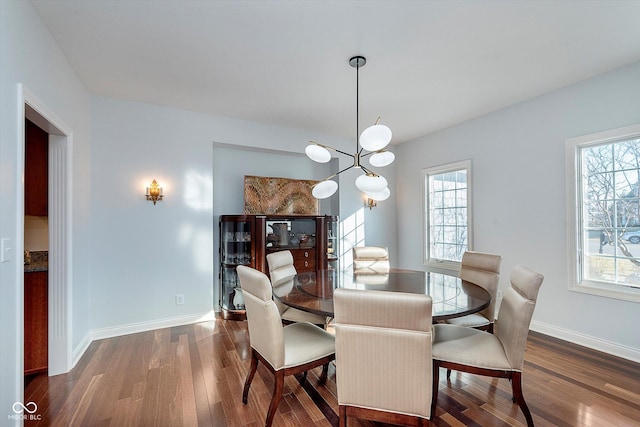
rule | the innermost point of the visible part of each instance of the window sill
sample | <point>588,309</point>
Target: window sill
<point>621,292</point>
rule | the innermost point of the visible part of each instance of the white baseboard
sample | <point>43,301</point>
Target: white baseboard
<point>132,328</point>
<point>78,352</point>
<point>598,344</point>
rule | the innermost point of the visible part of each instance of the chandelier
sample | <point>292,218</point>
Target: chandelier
<point>373,139</point>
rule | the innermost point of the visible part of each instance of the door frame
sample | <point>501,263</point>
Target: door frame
<point>60,236</point>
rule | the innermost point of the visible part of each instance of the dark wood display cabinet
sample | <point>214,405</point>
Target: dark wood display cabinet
<point>247,239</point>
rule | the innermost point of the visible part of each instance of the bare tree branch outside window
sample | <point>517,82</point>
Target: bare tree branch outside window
<point>611,212</point>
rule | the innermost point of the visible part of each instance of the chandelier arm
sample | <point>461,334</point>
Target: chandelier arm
<point>344,170</point>
<point>328,147</point>
<point>342,152</point>
<point>337,173</point>
<point>368,171</point>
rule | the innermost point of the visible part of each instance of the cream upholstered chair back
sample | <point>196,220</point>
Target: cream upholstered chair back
<point>484,270</point>
<point>282,272</point>
<point>281,267</point>
<point>265,327</point>
<point>370,259</point>
<point>383,351</point>
<point>515,313</point>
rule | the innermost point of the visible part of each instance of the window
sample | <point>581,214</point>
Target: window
<point>447,214</point>
<point>352,232</point>
<point>604,213</point>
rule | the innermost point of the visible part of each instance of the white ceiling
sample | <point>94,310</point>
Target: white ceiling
<point>430,64</point>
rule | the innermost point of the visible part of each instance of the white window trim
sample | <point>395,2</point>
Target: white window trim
<point>441,264</point>
<point>574,196</point>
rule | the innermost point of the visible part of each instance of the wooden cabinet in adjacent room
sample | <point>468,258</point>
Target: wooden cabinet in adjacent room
<point>36,170</point>
<point>36,302</point>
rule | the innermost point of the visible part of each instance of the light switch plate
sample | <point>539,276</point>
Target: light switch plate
<point>5,249</point>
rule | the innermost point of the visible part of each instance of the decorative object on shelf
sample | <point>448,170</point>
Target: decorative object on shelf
<point>279,196</point>
<point>154,192</point>
<point>373,139</point>
<point>238,298</point>
<point>281,230</point>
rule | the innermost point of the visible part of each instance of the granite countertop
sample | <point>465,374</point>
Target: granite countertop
<point>39,262</point>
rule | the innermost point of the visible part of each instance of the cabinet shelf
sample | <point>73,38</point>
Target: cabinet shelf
<point>234,264</point>
<point>286,248</point>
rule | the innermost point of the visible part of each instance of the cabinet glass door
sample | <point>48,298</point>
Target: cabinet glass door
<point>333,253</point>
<point>235,250</point>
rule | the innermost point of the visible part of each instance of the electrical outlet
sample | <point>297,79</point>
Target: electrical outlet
<point>179,299</point>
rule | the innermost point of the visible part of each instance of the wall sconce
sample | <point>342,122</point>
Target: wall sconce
<point>154,192</point>
<point>370,203</point>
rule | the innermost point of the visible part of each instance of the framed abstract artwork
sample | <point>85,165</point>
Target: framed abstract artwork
<point>279,196</point>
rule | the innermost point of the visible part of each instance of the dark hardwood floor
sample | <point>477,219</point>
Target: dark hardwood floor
<point>193,376</point>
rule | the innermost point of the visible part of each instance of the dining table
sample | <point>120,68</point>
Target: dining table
<point>452,297</point>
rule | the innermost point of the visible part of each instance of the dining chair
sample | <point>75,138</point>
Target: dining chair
<point>284,350</point>
<point>500,354</point>
<point>383,356</point>
<point>282,271</point>
<point>483,270</point>
<point>370,259</point>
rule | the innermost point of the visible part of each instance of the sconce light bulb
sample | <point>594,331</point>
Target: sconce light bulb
<point>154,192</point>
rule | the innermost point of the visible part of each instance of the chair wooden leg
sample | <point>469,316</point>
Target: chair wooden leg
<point>250,374</point>
<point>516,384</point>
<point>325,373</point>
<point>342,414</point>
<point>434,392</point>
<point>278,387</point>
<point>448,374</point>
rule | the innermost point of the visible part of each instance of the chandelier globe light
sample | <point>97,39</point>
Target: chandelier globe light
<point>380,195</point>
<point>324,189</point>
<point>382,159</point>
<point>317,153</point>
<point>374,139</point>
<point>371,183</point>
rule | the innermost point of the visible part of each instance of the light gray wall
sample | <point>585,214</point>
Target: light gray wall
<point>30,56</point>
<point>143,255</point>
<point>519,200</point>
<point>149,253</point>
